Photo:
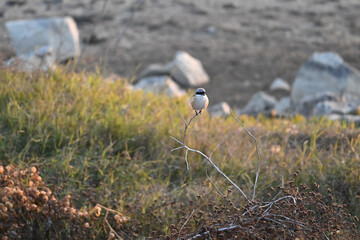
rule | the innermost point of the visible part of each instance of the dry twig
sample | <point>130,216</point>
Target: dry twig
<point>183,145</point>
<point>258,154</point>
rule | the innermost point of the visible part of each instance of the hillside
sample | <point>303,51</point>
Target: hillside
<point>95,142</point>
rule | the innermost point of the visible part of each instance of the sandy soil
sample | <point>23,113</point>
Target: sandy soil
<point>243,44</point>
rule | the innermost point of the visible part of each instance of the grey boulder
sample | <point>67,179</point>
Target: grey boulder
<point>187,70</point>
<point>260,102</point>
<point>326,71</point>
<point>347,118</point>
<point>220,109</point>
<point>307,104</point>
<point>283,107</point>
<point>155,69</point>
<point>332,107</point>
<point>158,85</point>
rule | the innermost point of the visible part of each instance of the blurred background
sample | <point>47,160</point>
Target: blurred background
<point>243,45</point>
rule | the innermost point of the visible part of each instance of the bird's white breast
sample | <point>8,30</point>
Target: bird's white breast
<point>199,102</point>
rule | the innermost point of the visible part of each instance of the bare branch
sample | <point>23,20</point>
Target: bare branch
<point>178,148</point>
<point>182,117</point>
<point>186,160</point>
<point>226,138</point>
<point>187,125</point>
<point>258,154</point>
<point>182,227</point>
<point>183,146</point>
<point>202,154</point>
<point>213,164</point>
<point>214,185</point>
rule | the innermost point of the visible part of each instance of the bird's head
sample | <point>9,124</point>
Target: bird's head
<point>200,91</point>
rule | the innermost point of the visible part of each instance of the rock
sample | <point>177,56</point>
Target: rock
<point>283,107</point>
<point>188,71</point>
<point>323,72</point>
<point>96,37</point>
<point>42,59</point>
<point>352,118</point>
<point>15,2</point>
<point>160,84</point>
<point>308,103</point>
<point>229,5</point>
<point>155,70</point>
<point>59,34</point>
<point>260,102</point>
<point>335,117</point>
<point>210,30</point>
<point>279,85</point>
<point>92,18</point>
<point>220,109</point>
<point>332,107</point>
<point>347,118</point>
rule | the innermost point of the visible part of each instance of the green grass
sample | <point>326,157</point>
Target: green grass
<point>105,144</point>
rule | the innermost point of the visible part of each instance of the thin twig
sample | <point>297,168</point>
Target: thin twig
<point>213,164</point>
<point>325,236</point>
<point>214,185</point>
<point>226,138</point>
<point>291,220</point>
<point>112,230</point>
<point>105,217</point>
<point>187,125</point>
<point>186,128</point>
<point>177,109</point>
<point>186,160</point>
<point>192,212</point>
<point>178,148</point>
<point>258,154</point>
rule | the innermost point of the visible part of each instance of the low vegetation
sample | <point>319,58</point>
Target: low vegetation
<point>94,159</point>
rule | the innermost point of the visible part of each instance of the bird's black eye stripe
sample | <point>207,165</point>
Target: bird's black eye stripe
<point>200,93</point>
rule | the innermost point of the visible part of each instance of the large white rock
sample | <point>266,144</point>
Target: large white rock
<point>187,70</point>
<point>60,34</point>
<point>220,109</point>
<point>160,84</point>
<point>326,72</point>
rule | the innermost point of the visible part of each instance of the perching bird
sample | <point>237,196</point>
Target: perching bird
<point>199,101</point>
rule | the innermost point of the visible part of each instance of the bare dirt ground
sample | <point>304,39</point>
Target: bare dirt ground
<point>242,44</point>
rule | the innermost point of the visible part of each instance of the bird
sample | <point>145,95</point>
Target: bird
<point>199,101</point>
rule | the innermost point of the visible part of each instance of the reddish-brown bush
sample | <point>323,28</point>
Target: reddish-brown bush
<point>30,210</point>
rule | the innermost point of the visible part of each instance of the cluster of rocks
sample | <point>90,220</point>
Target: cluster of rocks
<point>183,71</point>
<point>324,86</point>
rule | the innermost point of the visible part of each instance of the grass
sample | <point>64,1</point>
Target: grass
<point>102,143</point>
